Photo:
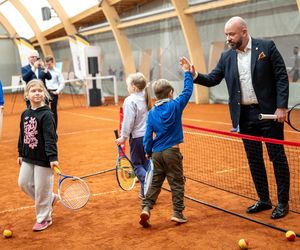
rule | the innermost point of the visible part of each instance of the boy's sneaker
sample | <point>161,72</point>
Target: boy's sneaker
<point>145,215</point>
<point>178,217</point>
<point>41,226</point>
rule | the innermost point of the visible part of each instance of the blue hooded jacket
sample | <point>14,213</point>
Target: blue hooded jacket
<point>165,120</point>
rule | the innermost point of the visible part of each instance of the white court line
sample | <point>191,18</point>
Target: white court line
<point>83,131</point>
<point>27,207</point>
<point>206,121</point>
<point>91,117</point>
<point>63,134</point>
<point>228,170</point>
<point>214,136</point>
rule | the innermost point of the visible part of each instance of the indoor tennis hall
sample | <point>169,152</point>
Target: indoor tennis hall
<point>96,45</point>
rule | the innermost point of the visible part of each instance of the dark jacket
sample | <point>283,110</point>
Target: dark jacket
<point>269,78</point>
<point>37,139</point>
<point>28,74</point>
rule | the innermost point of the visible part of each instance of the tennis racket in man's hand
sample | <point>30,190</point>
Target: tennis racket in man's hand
<point>124,169</point>
<point>148,178</point>
<point>293,117</point>
<point>73,192</point>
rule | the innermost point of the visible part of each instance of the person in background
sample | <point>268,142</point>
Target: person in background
<point>135,108</point>
<point>37,149</point>
<point>257,82</point>
<point>35,70</point>
<point>296,66</point>
<point>55,85</point>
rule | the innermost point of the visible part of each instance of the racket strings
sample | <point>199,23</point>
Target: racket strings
<point>74,193</point>
<point>125,174</point>
<point>294,117</point>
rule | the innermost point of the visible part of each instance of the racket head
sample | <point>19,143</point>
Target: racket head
<point>125,173</point>
<point>73,192</point>
<point>148,177</point>
<point>294,117</point>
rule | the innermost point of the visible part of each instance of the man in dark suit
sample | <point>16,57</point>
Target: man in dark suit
<point>35,70</point>
<point>257,82</point>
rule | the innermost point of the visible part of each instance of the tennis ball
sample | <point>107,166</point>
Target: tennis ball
<point>243,244</point>
<point>7,233</point>
<point>290,235</point>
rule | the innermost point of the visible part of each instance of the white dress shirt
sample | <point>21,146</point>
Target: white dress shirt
<point>135,115</point>
<point>57,81</point>
<point>244,68</point>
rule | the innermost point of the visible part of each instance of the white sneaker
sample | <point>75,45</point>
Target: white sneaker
<point>42,226</point>
<point>145,216</point>
<point>178,217</point>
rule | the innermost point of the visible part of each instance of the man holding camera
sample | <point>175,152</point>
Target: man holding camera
<point>35,70</point>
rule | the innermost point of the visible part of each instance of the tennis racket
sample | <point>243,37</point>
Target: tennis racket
<point>73,192</point>
<point>148,178</point>
<point>124,169</point>
<point>293,117</point>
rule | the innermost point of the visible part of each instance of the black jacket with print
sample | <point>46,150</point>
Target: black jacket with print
<point>38,139</point>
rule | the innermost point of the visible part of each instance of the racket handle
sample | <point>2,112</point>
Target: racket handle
<point>56,170</point>
<point>116,133</point>
<point>267,117</point>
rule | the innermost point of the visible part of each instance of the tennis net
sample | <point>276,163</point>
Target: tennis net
<point>218,159</point>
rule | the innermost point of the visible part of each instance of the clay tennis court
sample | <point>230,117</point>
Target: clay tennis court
<point>110,219</point>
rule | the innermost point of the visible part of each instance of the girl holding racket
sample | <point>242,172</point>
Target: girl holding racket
<point>37,149</point>
<point>135,108</point>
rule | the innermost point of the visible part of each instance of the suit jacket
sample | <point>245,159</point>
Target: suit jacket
<point>269,78</point>
<point>28,74</point>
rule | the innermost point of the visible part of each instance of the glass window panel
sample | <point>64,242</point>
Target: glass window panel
<point>35,8</point>
<point>74,7</point>
<point>17,20</point>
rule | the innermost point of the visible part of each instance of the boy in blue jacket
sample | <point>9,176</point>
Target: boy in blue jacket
<point>164,120</point>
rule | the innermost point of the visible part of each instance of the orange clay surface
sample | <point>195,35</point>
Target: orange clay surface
<point>111,218</point>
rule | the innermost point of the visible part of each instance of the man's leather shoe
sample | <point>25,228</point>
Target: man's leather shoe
<point>280,211</point>
<point>259,206</point>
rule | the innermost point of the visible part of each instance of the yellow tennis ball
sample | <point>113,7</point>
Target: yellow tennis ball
<point>7,233</point>
<point>243,244</point>
<point>290,235</point>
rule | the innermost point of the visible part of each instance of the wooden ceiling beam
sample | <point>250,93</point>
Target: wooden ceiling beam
<point>34,26</point>
<point>120,38</point>
<point>68,26</point>
<point>9,28</point>
<point>85,14</point>
<point>194,45</point>
<point>212,5</point>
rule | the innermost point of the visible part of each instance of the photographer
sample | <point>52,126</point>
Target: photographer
<point>35,70</point>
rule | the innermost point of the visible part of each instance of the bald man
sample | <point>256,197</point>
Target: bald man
<point>257,82</point>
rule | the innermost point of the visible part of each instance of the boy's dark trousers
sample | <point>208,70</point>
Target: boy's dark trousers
<point>167,164</point>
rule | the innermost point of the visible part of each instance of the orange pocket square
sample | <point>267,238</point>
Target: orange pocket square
<point>261,56</point>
